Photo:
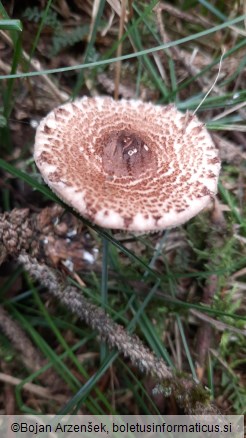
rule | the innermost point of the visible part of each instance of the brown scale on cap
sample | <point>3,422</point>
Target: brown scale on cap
<point>128,164</point>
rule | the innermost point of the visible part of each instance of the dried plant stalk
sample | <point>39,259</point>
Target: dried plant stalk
<point>190,394</point>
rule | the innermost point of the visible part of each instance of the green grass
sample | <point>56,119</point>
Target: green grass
<point>147,283</point>
<point>128,56</point>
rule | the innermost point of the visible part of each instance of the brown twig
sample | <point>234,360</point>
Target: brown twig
<point>31,387</point>
<point>182,15</point>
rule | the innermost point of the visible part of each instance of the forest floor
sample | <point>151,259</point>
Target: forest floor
<point>179,295</point>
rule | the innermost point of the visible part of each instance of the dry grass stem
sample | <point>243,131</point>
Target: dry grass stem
<point>30,387</point>
<point>96,318</point>
<point>119,49</point>
<point>181,15</point>
<point>189,393</point>
<point>60,96</point>
<point>30,355</point>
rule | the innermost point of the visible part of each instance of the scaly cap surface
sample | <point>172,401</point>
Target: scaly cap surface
<point>127,164</point>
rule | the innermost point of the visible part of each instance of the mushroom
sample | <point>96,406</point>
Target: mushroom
<point>128,164</point>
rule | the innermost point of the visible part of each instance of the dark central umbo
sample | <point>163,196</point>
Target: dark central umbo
<point>126,153</point>
<point>130,143</point>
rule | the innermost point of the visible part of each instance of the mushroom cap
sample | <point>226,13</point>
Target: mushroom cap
<point>128,164</point>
